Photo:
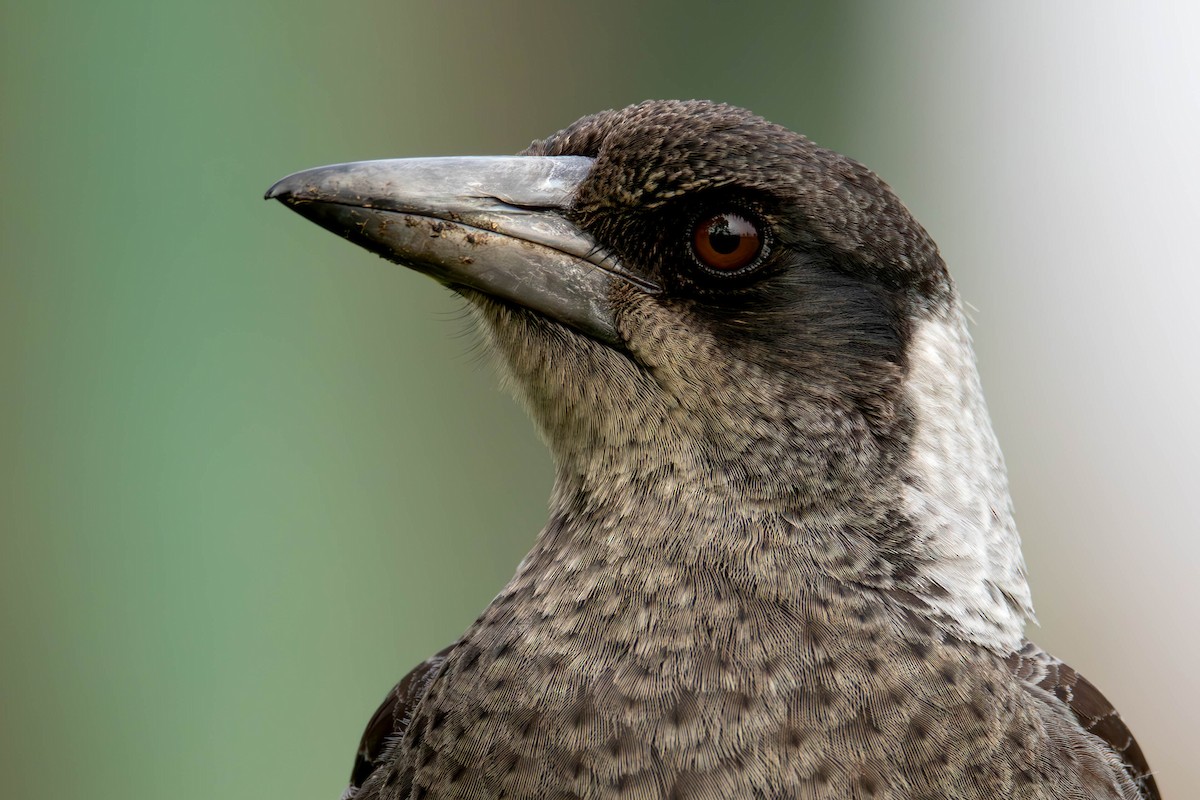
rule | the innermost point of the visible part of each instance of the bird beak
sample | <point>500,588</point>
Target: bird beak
<point>493,224</point>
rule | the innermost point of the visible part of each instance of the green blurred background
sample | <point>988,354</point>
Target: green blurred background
<point>250,474</point>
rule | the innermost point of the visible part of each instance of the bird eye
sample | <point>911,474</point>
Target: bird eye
<point>726,241</point>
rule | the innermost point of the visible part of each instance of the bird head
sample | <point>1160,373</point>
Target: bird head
<point>702,309</point>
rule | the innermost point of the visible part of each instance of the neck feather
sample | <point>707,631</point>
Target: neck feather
<point>956,492</point>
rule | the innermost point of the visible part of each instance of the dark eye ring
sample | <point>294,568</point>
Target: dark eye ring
<point>727,241</point>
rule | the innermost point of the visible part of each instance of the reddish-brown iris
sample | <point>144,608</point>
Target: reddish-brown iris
<point>726,241</point>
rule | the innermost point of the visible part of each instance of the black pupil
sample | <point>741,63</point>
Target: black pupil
<point>721,236</point>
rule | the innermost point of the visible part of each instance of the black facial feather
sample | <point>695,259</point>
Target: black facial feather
<point>650,154</point>
<point>830,306</point>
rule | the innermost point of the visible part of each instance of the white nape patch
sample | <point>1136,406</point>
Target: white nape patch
<point>958,497</point>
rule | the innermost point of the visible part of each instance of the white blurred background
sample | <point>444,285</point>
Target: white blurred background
<point>1053,150</point>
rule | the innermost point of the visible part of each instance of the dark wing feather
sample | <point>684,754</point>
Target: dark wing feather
<point>1095,714</point>
<point>390,720</point>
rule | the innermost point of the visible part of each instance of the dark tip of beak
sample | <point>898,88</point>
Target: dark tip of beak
<point>276,192</point>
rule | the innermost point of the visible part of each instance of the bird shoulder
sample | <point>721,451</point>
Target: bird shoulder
<point>391,719</point>
<point>1090,708</point>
